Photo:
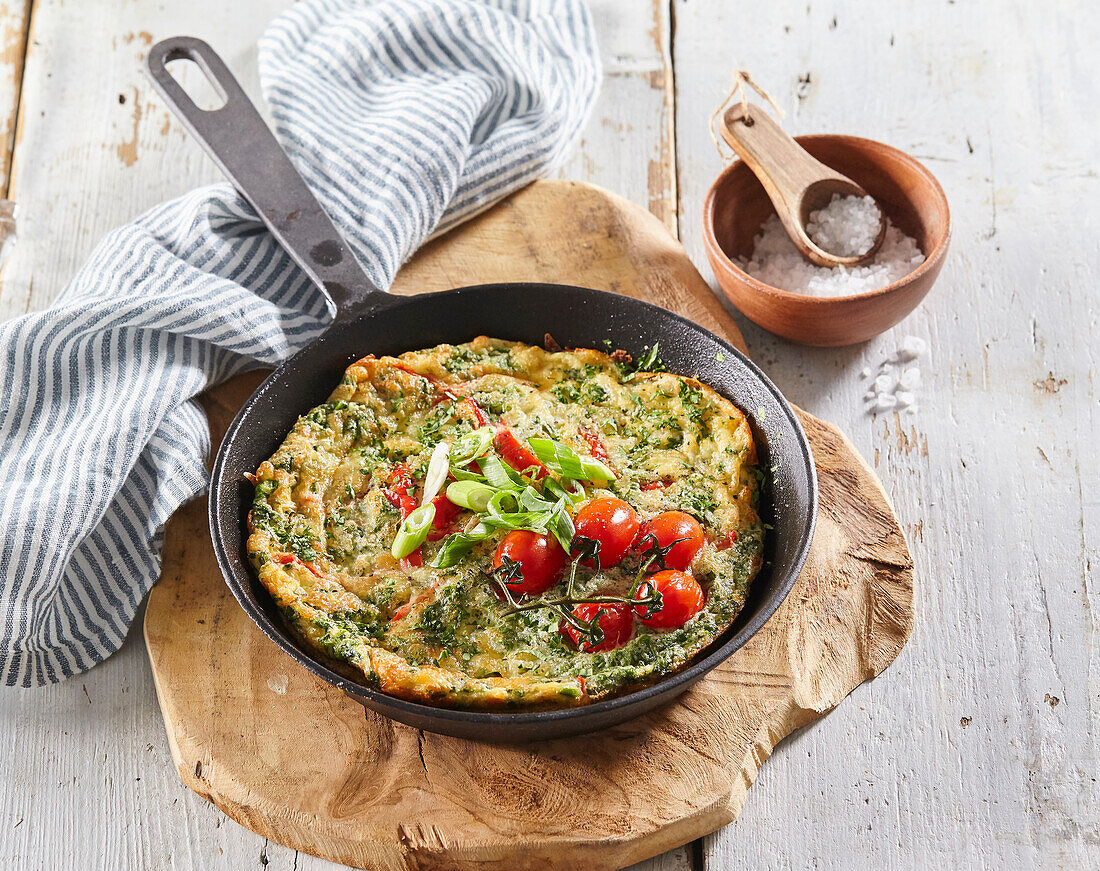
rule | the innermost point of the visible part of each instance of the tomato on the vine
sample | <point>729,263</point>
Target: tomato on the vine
<point>612,523</point>
<point>681,599</point>
<point>538,558</point>
<point>667,528</point>
<point>615,621</point>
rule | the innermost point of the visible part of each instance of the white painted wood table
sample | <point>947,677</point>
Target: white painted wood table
<point>978,748</point>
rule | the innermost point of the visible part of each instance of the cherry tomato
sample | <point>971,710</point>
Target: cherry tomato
<point>669,527</point>
<point>616,622</point>
<point>540,557</point>
<point>612,523</point>
<point>681,599</point>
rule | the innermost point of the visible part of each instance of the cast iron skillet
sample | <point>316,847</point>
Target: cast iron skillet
<point>368,321</point>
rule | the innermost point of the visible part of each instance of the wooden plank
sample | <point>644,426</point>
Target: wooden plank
<point>628,146</point>
<point>96,149</point>
<point>88,779</point>
<point>14,21</point>
<point>979,748</point>
<point>844,621</point>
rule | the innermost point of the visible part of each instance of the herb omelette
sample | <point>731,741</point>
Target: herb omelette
<point>495,526</point>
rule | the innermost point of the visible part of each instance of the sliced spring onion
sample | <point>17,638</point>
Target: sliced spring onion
<point>472,445</point>
<point>458,544</point>
<point>571,490</point>
<point>461,474</point>
<point>471,494</point>
<point>560,524</point>
<point>438,466</point>
<point>413,531</point>
<point>567,462</point>
<point>531,500</point>
<point>595,471</point>
<point>499,475</point>
<point>503,502</point>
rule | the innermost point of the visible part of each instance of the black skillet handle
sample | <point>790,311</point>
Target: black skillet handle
<point>245,149</point>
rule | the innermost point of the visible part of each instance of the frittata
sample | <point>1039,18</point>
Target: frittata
<point>496,526</point>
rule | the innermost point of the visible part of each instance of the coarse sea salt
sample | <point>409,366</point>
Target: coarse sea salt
<point>845,227</point>
<point>894,385</point>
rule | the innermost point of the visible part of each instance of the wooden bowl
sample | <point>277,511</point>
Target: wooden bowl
<point>736,206</point>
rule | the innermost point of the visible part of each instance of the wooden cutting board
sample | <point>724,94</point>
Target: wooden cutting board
<point>294,760</point>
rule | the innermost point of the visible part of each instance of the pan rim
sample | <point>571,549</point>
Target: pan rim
<point>503,719</point>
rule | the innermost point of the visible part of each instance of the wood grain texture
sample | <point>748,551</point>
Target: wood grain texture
<point>981,749</point>
<point>88,113</point>
<point>14,23</point>
<point>108,770</point>
<point>292,758</point>
<point>797,183</point>
<point>736,206</point>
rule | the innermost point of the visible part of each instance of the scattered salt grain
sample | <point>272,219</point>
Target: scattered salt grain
<point>885,383</point>
<point>889,390</point>
<point>911,347</point>
<point>776,262</point>
<point>910,379</point>
<point>847,226</point>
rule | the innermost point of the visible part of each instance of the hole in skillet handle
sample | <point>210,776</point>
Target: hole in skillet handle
<point>192,77</point>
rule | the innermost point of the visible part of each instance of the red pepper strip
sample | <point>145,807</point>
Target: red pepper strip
<point>402,501</point>
<point>401,612</point>
<point>727,540</point>
<point>442,388</point>
<point>476,410</point>
<point>401,482</point>
<point>445,513</point>
<point>595,445</point>
<point>288,558</point>
<point>584,685</point>
<point>415,600</point>
<point>655,485</point>
<point>515,454</point>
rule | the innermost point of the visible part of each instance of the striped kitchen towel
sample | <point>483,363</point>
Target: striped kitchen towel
<point>405,117</point>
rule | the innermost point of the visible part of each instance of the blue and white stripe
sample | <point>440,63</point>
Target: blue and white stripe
<point>405,117</point>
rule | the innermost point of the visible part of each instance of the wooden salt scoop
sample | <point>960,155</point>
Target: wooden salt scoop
<point>797,183</point>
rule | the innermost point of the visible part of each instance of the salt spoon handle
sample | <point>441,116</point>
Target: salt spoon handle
<point>796,182</point>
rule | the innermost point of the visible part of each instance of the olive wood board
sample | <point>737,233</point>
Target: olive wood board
<point>293,759</point>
